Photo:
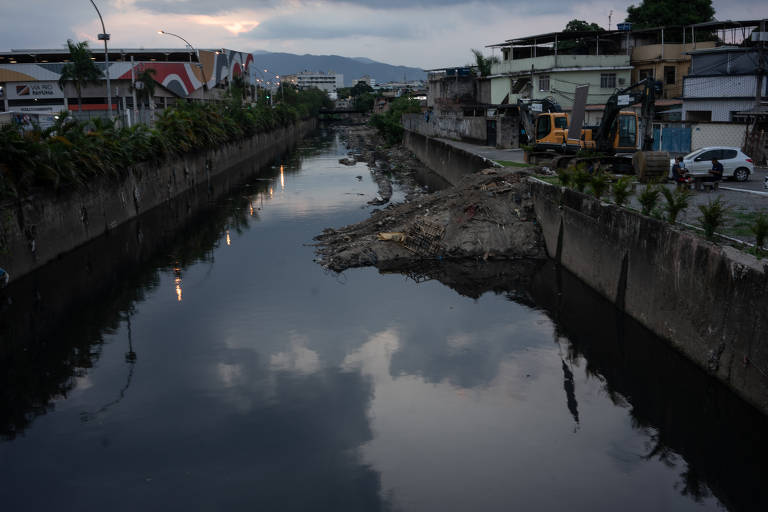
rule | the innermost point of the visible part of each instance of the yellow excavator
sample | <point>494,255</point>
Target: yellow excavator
<point>612,144</point>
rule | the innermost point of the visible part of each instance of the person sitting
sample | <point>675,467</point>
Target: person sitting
<point>716,173</point>
<point>678,170</point>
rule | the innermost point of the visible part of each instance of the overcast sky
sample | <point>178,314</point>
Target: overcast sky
<point>420,33</point>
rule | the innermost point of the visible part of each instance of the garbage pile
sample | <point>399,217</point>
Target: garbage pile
<point>487,216</point>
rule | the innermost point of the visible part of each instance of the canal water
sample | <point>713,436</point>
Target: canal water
<point>215,366</point>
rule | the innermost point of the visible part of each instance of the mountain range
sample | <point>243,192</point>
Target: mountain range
<point>351,67</point>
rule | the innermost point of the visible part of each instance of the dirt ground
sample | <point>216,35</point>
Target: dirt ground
<point>487,216</point>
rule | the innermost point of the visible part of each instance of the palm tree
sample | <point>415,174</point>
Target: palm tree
<point>81,70</point>
<point>484,63</point>
<point>145,85</point>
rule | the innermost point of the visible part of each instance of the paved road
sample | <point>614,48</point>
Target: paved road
<point>491,153</point>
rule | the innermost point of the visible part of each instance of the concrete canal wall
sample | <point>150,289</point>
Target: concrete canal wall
<point>707,301</point>
<point>448,161</point>
<point>40,228</point>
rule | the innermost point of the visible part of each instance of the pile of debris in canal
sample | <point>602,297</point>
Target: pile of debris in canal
<point>487,216</point>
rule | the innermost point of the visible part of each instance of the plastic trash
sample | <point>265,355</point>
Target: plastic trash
<point>395,237</point>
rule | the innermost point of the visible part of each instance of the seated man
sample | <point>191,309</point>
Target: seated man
<point>679,172</point>
<point>716,173</point>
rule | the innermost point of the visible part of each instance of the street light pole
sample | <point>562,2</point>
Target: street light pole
<point>105,37</point>
<point>197,54</point>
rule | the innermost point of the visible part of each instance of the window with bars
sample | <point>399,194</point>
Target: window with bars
<point>544,83</point>
<point>607,80</point>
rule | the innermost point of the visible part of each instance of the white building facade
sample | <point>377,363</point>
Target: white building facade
<point>328,82</point>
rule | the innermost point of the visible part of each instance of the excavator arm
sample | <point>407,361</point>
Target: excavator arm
<point>528,116</point>
<point>643,92</point>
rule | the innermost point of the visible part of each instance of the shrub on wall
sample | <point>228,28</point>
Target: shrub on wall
<point>73,152</point>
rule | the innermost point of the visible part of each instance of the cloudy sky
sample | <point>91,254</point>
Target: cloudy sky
<point>421,33</point>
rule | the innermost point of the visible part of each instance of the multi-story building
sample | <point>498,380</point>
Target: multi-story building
<point>667,63</point>
<point>29,79</point>
<point>366,79</point>
<point>553,65</point>
<point>328,82</point>
<point>721,82</point>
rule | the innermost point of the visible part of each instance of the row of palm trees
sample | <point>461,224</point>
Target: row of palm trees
<point>81,70</point>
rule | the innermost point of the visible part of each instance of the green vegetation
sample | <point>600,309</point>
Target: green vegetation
<point>566,177</point>
<point>306,103</point>
<point>713,216</point>
<point>599,183</point>
<point>389,123</point>
<point>621,190</point>
<point>759,228</point>
<point>73,153</point>
<point>648,198</point>
<point>676,201</point>
<point>484,64</point>
<point>580,178</point>
<point>145,86</point>
<point>582,26</point>
<point>660,13</point>
<point>81,69</point>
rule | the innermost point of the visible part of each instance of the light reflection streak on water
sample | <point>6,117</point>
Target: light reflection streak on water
<point>282,178</point>
<point>177,282</point>
<point>229,240</point>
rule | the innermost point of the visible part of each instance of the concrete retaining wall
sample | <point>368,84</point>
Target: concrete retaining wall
<point>456,128</point>
<point>707,301</point>
<point>40,228</point>
<point>450,162</point>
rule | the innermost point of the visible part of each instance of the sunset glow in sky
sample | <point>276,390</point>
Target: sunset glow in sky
<point>420,33</point>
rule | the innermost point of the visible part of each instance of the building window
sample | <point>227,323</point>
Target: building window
<point>698,115</point>
<point>544,83</point>
<point>646,73</point>
<point>669,75</point>
<point>607,80</point>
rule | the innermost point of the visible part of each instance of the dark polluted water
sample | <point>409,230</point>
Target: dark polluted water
<point>203,361</point>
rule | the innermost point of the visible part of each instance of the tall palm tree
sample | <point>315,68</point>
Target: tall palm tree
<point>81,70</point>
<point>484,63</point>
<point>145,91</point>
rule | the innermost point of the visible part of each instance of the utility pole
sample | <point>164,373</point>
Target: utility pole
<point>760,67</point>
<point>105,37</point>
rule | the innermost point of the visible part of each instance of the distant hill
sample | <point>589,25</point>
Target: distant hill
<point>351,68</point>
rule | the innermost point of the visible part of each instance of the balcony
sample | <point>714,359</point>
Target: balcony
<point>552,62</point>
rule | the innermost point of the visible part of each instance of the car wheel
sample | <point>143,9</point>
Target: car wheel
<point>741,174</point>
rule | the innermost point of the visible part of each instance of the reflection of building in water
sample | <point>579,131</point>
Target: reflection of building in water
<point>570,393</point>
<point>177,281</point>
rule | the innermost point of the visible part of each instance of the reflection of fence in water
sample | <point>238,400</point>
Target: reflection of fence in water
<point>423,237</point>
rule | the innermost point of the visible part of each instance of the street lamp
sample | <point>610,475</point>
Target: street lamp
<point>105,37</point>
<point>197,54</point>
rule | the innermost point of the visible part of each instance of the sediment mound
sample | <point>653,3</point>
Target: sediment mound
<point>488,215</point>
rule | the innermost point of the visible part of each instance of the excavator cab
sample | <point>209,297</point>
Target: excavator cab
<point>626,140</point>
<point>551,130</point>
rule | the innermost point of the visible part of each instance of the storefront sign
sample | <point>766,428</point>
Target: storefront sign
<point>33,90</point>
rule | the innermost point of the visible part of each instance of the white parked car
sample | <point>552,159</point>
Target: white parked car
<point>736,164</point>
